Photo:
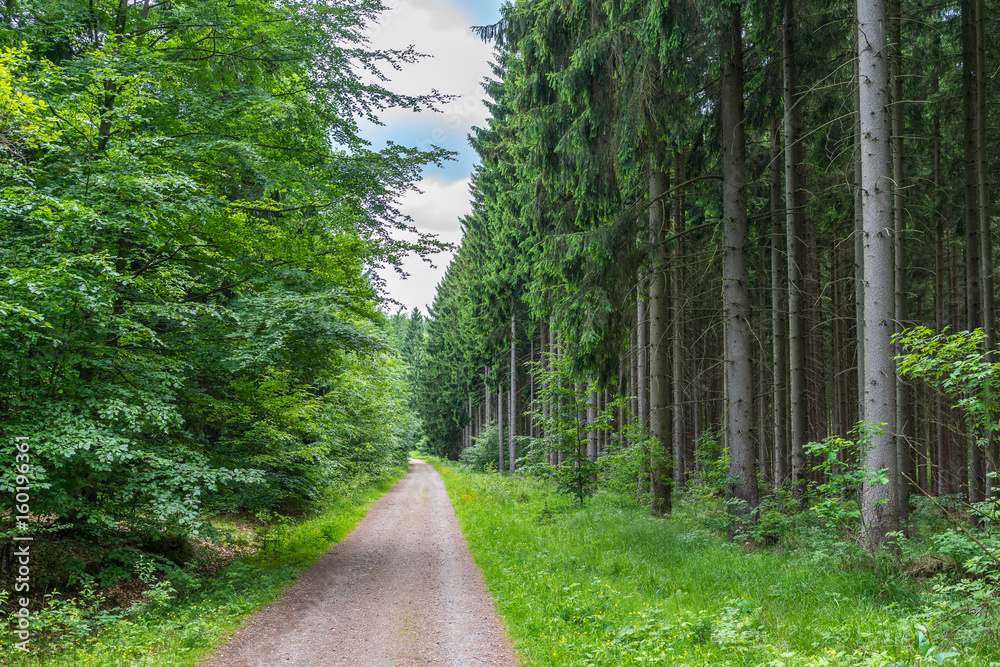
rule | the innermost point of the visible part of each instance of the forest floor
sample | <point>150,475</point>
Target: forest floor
<point>401,589</point>
<point>606,585</point>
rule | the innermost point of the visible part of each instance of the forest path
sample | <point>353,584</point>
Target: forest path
<point>401,589</point>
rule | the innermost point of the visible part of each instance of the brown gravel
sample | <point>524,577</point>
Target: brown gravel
<point>401,589</point>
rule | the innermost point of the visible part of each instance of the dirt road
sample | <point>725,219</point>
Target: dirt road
<point>401,589</point>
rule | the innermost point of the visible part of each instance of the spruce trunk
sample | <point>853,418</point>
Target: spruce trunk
<point>661,456</point>
<point>742,485</point>
<point>796,260</point>
<point>779,321</point>
<point>904,424</point>
<point>879,504</point>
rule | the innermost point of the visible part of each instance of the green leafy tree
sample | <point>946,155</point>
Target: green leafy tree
<point>188,219</point>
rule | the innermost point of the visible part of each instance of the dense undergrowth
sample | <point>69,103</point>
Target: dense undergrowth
<point>183,612</point>
<point>606,584</point>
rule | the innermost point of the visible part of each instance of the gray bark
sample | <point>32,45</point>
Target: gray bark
<point>642,358</point>
<point>940,302</point>
<point>904,424</point>
<point>742,484</point>
<point>795,254</point>
<point>661,456</point>
<point>592,406</point>
<point>580,395</point>
<point>859,239</point>
<point>779,340</point>
<point>500,442</point>
<point>512,411</point>
<point>531,392</point>
<point>633,380</point>
<point>973,239</point>
<point>879,504</point>
<point>985,232</point>
<point>677,323</point>
<point>552,406</point>
<point>489,397</point>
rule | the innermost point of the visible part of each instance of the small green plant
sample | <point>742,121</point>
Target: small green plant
<point>837,499</point>
<point>578,474</point>
<point>63,622</point>
<point>483,455</point>
<point>925,653</point>
<point>270,529</point>
<point>160,592</point>
<point>711,463</point>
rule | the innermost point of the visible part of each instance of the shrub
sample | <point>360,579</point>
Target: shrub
<point>483,454</point>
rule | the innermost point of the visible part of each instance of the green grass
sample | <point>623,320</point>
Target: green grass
<point>608,585</point>
<point>185,628</point>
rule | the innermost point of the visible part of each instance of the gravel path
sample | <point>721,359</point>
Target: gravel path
<point>401,589</point>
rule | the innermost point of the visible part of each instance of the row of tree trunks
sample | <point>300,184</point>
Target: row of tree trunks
<point>807,398</point>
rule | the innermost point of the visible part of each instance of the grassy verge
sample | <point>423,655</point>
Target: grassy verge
<point>607,585</point>
<point>171,629</point>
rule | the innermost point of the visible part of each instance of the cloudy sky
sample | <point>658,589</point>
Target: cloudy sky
<point>458,63</point>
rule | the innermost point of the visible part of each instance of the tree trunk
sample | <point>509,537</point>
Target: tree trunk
<point>779,321</point>
<point>551,406</point>
<point>973,240</point>
<point>559,406</point>
<point>839,345</point>
<point>633,386</point>
<point>794,238</point>
<point>814,369</point>
<point>642,373</point>
<point>985,232</point>
<point>879,504</point>
<point>642,358</point>
<point>579,392</point>
<point>942,434</point>
<point>904,425</point>
<point>592,408</point>
<point>742,484</point>
<point>512,411</point>
<point>859,240</point>
<point>531,390</point>
<point>661,456</point>
<point>677,331</point>
<point>500,442</point>
<point>489,397</point>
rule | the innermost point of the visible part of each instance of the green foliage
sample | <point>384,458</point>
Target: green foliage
<point>483,455</point>
<point>958,365</point>
<point>185,614</point>
<point>565,434</point>
<point>926,653</point>
<point>712,461</point>
<point>577,476</point>
<point>186,237</point>
<point>622,466</point>
<point>607,585</point>
<point>63,622</point>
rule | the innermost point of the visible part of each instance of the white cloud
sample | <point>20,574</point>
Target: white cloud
<point>458,62</point>
<point>439,205</point>
<point>439,209</point>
